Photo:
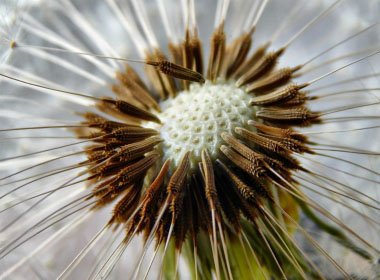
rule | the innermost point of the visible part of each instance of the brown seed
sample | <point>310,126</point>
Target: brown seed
<point>178,178</point>
<point>234,195</point>
<point>209,180</point>
<point>175,52</point>
<point>238,52</point>
<point>137,91</point>
<point>263,66</point>
<point>244,190</point>
<point>129,109</point>
<point>134,150</point>
<point>265,142</point>
<point>187,56</point>
<point>156,80</point>
<point>242,149</point>
<point>164,84</point>
<point>250,62</point>
<point>273,80</point>
<point>299,100</point>
<point>109,109</point>
<point>281,159</point>
<point>271,130</point>
<point>125,207</point>
<point>217,51</point>
<point>106,170</point>
<point>135,170</point>
<point>152,192</point>
<point>96,121</point>
<point>177,71</point>
<point>130,133</point>
<point>124,94</point>
<point>196,47</point>
<point>298,115</point>
<point>249,167</point>
<point>228,197</point>
<point>277,96</point>
<point>134,76</point>
<point>176,186</point>
<point>182,222</point>
<point>200,204</point>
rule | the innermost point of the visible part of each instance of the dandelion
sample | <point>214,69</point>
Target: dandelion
<point>189,139</point>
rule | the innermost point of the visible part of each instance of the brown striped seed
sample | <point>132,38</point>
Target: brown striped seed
<point>177,71</point>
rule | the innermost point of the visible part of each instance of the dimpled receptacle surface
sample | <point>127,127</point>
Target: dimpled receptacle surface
<point>194,120</point>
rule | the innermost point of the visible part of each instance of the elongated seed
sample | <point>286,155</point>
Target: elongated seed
<point>300,115</point>
<point>244,190</point>
<point>273,80</point>
<point>137,91</point>
<point>124,208</point>
<point>249,167</point>
<point>167,80</point>
<point>238,52</point>
<point>241,148</point>
<point>129,109</point>
<point>277,96</point>
<point>178,178</point>
<point>156,184</point>
<point>251,61</point>
<point>217,51</point>
<point>265,142</point>
<point>263,66</point>
<point>124,94</point>
<point>187,56</point>
<point>128,133</point>
<point>177,71</point>
<point>131,73</point>
<point>175,52</point>
<point>134,150</point>
<point>133,171</point>
<point>176,185</point>
<point>196,47</point>
<point>209,179</point>
<point>271,130</point>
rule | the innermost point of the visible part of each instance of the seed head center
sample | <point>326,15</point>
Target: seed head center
<point>194,120</point>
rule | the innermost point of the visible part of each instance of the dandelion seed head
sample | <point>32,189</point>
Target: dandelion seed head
<point>221,177</point>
